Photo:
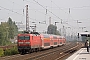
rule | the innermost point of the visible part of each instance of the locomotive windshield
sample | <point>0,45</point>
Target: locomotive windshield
<point>24,37</point>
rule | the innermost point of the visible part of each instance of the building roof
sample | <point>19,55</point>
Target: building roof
<point>85,33</point>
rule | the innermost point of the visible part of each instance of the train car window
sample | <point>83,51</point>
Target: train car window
<point>54,37</point>
<point>46,44</point>
<point>21,37</point>
<point>55,43</point>
<point>27,37</point>
<point>46,36</point>
<point>60,42</point>
<point>24,37</point>
<point>60,38</point>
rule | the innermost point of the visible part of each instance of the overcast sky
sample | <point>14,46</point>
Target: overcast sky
<point>69,11</point>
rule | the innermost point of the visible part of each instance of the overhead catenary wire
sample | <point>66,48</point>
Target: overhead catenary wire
<point>47,9</point>
<point>34,18</point>
<point>70,10</point>
<point>65,12</point>
<point>15,12</point>
<point>30,7</point>
<point>10,10</point>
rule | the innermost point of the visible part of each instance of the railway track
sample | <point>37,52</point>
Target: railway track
<point>51,54</point>
<point>57,54</point>
<point>68,51</point>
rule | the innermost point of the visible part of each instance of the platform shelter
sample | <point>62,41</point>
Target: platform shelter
<point>85,36</point>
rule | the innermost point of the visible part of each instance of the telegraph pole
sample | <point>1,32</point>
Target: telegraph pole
<point>27,19</point>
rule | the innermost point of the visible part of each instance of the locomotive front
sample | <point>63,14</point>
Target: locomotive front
<point>23,43</point>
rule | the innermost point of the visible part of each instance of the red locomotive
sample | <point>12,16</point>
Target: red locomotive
<point>34,41</point>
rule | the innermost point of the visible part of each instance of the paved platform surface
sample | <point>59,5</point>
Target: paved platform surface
<point>81,54</point>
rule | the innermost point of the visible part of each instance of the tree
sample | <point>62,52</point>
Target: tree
<point>7,31</point>
<point>52,29</point>
<point>3,34</point>
<point>13,30</point>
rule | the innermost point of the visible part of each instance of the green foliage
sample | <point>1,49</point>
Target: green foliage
<point>57,33</point>
<point>7,52</point>
<point>52,29</point>
<point>19,32</point>
<point>13,30</point>
<point>11,51</point>
<point>8,30</point>
<point>1,52</point>
<point>3,34</point>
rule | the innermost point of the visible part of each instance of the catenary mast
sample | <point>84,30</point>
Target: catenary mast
<point>27,19</point>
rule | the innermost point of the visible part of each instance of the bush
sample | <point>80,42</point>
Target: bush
<point>7,52</point>
<point>1,52</point>
<point>14,51</point>
<point>11,51</point>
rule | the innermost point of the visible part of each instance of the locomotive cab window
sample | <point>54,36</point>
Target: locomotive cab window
<point>21,37</point>
<point>24,37</point>
<point>27,37</point>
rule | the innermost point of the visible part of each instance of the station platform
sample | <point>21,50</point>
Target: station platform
<point>81,54</point>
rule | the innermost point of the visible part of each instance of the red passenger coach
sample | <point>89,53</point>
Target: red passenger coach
<point>49,40</point>
<point>55,40</point>
<point>63,40</point>
<point>45,41</point>
<point>28,42</point>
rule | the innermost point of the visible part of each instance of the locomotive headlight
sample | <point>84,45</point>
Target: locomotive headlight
<point>27,42</point>
<point>20,42</point>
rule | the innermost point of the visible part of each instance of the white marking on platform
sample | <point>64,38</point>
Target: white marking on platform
<point>81,54</point>
<point>77,55</point>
